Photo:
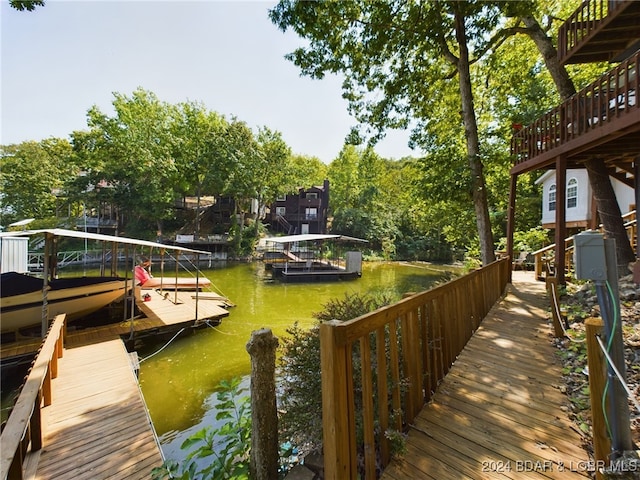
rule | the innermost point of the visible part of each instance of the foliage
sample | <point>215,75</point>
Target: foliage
<point>228,444</point>
<point>31,178</point>
<point>308,171</point>
<point>28,5</point>
<point>137,145</point>
<point>301,395</point>
<point>400,74</point>
<point>529,241</point>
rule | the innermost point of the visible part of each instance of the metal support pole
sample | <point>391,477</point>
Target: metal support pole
<point>620,423</point>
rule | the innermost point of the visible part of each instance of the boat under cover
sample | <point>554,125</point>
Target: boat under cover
<point>21,298</point>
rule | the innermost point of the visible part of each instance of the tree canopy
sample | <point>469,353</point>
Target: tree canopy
<point>459,74</point>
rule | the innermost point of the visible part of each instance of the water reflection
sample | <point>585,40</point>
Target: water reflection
<point>179,383</point>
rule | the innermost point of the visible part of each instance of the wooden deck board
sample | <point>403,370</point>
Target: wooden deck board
<point>165,307</point>
<point>498,412</point>
<point>97,426</point>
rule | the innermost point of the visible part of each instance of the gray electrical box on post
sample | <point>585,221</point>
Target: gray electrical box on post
<point>589,256</point>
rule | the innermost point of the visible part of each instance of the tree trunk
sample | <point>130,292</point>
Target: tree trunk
<point>598,177</point>
<point>610,213</point>
<point>479,191</point>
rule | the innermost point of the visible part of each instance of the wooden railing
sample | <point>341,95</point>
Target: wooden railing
<point>612,96</point>
<point>581,23</point>
<point>544,257</point>
<point>23,430</point>
<point>378,370</point>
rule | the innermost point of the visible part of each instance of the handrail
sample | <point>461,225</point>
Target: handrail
<point>539,255</point>
<point>612,96</point>
<point>24,426</point>
<point>71,257</point>
<point>390,361</point>
<point>581,23</point>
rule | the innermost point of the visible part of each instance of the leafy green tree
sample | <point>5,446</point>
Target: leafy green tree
<point>344,180</point>
<point>138,146</point>
<point>32,176</point>
<point>28,5</point>
<point>360,207</point>
<point>198,142</point>
<point>273,169</point>
<point>240,148</point>
<point>397,58</point>
<point>308,171</point>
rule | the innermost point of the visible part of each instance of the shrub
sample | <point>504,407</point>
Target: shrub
<point>229,444</point>
<point>300,420</point>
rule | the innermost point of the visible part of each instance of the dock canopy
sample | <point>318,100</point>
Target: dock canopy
<point>61,232</point>
<point>310,237</point>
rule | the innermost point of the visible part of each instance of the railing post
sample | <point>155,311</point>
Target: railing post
<point>552,291</point>
<point>597,382</point>
<point>264,415</point>
<point>337,405</point>
<point>36,424</point>
<point>46,387</point>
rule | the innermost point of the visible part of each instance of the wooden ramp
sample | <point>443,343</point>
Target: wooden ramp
<point>97,426</point>
<point>498,413</point>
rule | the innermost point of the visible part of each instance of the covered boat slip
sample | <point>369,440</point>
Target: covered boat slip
<point>312,257</point>
<point>165,309</point>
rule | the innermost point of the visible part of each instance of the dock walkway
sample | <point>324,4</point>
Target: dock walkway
<point>498,413</point>
<point>97,426</point>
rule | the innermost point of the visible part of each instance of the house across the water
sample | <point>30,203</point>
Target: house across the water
<point>301,213</point>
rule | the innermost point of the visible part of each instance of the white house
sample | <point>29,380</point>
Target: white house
<point>580,207</point>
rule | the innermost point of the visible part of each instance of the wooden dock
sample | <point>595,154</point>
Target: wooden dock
<point>173,308</point>
<point>498,413</point>
<point>97,426</point>
<point>160,314</point>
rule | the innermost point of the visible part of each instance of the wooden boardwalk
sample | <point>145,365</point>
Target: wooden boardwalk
<point>97,426</point>
<point>498,412</point>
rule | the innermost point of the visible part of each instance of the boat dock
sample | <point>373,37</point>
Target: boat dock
<point>171,307</point>
<point>91,422</point>
<point>97,425</point>
<point>79,415</point>
<point>165,312</point>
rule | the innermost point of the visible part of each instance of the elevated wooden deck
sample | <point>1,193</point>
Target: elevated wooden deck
<point>97,426</point>
<point>498,412</point>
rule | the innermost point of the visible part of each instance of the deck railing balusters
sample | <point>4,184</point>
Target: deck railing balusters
<point>416,341</point>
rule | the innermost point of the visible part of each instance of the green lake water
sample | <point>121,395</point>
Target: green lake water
<point>179,383</point>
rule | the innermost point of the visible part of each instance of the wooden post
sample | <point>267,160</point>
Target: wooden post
<point>552,291</point>
<point>511,219</point>
<point>263,462</point>
<point>561,218</point>
<point>36,424</point>
<point>597,382</point>
<point>337,405</point>
<point>46,387</point>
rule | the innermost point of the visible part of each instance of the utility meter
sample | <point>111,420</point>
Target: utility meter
<point>589,256</point>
